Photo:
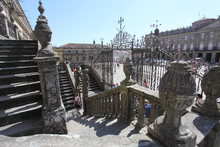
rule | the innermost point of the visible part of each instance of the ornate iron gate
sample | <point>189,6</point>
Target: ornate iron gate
<point>150,63</point>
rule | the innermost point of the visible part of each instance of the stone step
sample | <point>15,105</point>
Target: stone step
<point>17,88</point>
<point>69,107</point>
<point>17,63</point>
<point>65,85</point>
<point>68,98</point>
<point>16,57</point>
<point>13,100</point>
<point>62,77</point>
<point>18,70</point>
<point>62,71</point>
<point>15,78</point>
<point>16,114</point>
<point>69,102</point>
<point>19,47</point>
<point>67,91</point>
<point>18,42</point>
<point>65,88</point>
<point>65,95</point>
<point>18,52</point>
<point>23,128</point>
<point>64,82</point>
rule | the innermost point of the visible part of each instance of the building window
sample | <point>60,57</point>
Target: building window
<point>202,35</point>
<point>201,46</point>
<point>219,45</point>
<point>76,52</point>
<point>178,46</point>
<point>192,37</point>
<point>191,46</point>
<point>211,34</point>
<point>210,46</point>
<point>184,47</point>
<point>186,37</point>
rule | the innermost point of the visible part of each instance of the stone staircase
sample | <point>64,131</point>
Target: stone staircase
<point>20,96</point>
<point>67,93</point>
<point>93,86</point>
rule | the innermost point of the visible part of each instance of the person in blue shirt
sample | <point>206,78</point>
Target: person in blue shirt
<point>147,107</point>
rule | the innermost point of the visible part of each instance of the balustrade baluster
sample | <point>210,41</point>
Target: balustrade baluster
<point>113,104</point>
<point>140,109</point>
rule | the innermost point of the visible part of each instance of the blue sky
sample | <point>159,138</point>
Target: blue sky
<point>82,21</point>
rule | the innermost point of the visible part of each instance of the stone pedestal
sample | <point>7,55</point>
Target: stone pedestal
<point>53,111</point>
<point>176,92</point>
<point>211,86</point>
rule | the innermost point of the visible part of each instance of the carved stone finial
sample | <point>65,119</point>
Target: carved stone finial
<point>211,87</point>
<point>43,34</point>
<point>41,8</point>
<point>128,70</point>
<point>176,91</point>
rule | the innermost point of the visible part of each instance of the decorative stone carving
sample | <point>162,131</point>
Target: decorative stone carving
<point>43,34</point>
<point>176,91</point>
<point>53,111</point>
<point>211,87</point>
<point>128,70</point>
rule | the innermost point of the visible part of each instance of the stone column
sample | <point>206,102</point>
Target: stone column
<point>85,80</point>
<point>53,111</point>
<point>77,77</point>
<point>126,102</point>
<point>124,105</point>
<point>176,91</point>
<point>211,87</point>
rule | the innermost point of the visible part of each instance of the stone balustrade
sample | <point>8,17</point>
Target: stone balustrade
<point>121,102</point>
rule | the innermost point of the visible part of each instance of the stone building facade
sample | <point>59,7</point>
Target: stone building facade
<point>78,54</point>
<point>201,39</point>
<point>13,21</point>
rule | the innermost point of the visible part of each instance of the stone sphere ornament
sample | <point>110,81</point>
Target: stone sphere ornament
<point>176,91</point>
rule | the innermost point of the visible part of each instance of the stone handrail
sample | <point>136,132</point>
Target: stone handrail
<point>70,76</point>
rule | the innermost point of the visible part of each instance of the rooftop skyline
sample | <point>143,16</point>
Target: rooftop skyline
<point>84,21</point>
